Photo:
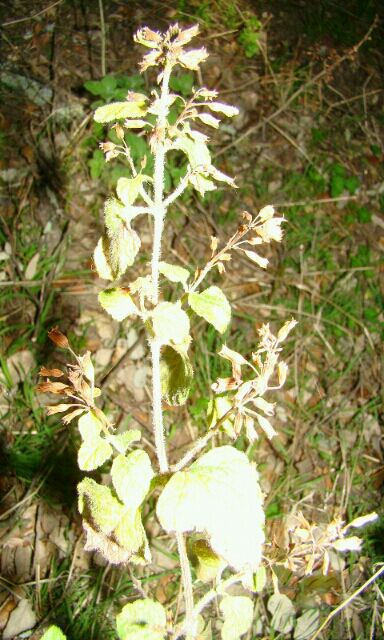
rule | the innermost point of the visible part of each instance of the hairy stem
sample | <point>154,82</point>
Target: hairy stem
<point>187,586</point>
<point>159,213</point>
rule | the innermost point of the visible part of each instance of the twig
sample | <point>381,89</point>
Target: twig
<point>102,30</point>
<point>347,602</point>
<point>35,15</point>
<point>298,92</point>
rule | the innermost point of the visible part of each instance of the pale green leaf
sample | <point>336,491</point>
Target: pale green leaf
<point>122,441</point>
<point>220,107</point>
<point>53,633</point>
<point>119,110</point>
<point>209,120</point>
<point>283,612</point>
<point>170,323</point>
<point>220,496</point>
<point>204,631</point>
<point>176,375</point>
<point>307,624</point>
<point>93,453</point>
<point>196,151</point>
<point>213,306</point>
<point>259,579</point>
<point>217,408</point>
<point>142,620</point>
<point>97,504</point>
<point>238,615</point>
<point>100,259</point>
<point>116,215</point>
<point>128,189</point>
<point>118,303</point>
<point>111,528</point>
<point>131,477</point>
<point>173,272</point>
<point>201,184</point>
<point>89,426</point>
<point>206,562</point>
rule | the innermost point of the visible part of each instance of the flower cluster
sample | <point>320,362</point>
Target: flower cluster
<point>242,403</point>
<point>168,48</point>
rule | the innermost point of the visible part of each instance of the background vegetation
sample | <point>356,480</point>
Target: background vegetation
<point>306,77</point>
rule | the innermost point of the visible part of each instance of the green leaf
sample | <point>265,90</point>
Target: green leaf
<point>53,633</point>
<point>176,375</point>
<point>131,477</point>
<point>122,441</point>
<point>93,453</point>
<point>118,303</point>
<point>220,496</point>
<point>213,306</point>
<point>170,323</point>
<point>119,110</point>
<point>260,579</point>
<point>196,151</point>
<point>111,528</point>
<point>173,272</point>
<point>98,505</point>
<point>307,625</point>
<point>142,620</point>
<point>105,87</point>
<point>128,189</point>
<point>217,408</point>
<point>238,615</point>
<point>89,426</point>
<point>100,258</point>
<point>283,612</point>
<point>116,252</point>
<point>206,562</point>
<point>220,107</point>
<point>201,184</point>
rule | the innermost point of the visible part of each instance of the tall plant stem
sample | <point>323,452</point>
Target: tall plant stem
<point>187,586</point>
<point>159,215</point>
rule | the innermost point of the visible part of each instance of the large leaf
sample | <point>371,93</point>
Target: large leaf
<point>119,110</point>
<point>118,303</point>
<point>213,306</point>
<point>220,496</point>
<point>173,272</point>
<point>142,620</point>
<point>111,528</point>
<point>170,323</point>
<point>238,615</point>
<point>176,374</point>
<point>131,477</point>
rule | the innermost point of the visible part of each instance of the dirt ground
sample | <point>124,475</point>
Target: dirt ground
<point>307,78</point>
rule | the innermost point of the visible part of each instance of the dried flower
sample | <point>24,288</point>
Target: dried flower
<point>58,338</point>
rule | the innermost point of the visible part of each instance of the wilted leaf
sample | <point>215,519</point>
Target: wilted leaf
<point>31,268</point>
<point>307,625</point>
<point>176,374</point>
<point>53,633</point>
<point>220,496</point>
<point>193,58</point>
<point>119,110</point>
<point>173,272</point>
<point>238,615</point>
<point>118,303</point>
<point>170,323</point>
<point>252,255</point>
<point>213,306</point>
<point>131,477</point>
<point>353,543</point>
<point>142,620</point>
<point>283,612</point>
<point>217,408</point>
